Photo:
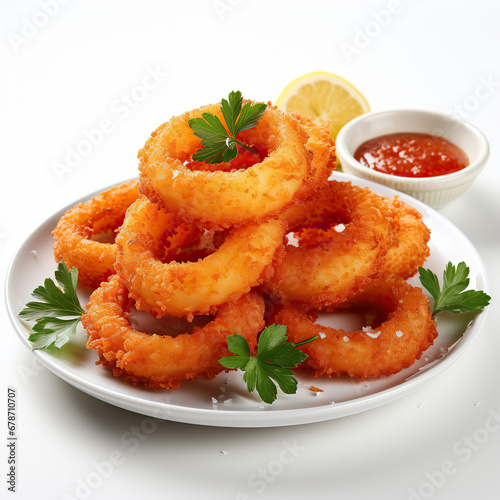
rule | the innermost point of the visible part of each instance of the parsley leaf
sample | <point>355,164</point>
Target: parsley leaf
<point>273,360</point>
<point>452,296</point>
<point>57,313</point>
<point>219,145</point>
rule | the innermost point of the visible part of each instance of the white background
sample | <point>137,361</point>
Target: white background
<point>69,71</point>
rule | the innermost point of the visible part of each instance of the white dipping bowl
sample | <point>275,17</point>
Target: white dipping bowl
<point>433,191</point>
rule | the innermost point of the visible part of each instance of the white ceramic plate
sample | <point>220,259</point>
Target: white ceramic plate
<point>224,401</point>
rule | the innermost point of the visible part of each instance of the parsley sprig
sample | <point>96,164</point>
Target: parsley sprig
<point>58,311</point>
<point>273,360</point>
<point>452,296</point>
<point>218,144</point>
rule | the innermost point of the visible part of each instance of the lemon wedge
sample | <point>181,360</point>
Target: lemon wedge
<point>323,97</point>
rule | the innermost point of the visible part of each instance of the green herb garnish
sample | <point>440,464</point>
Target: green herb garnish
<point>452,297</point>
<point>219,145</point>
<point>57,313</point>
<point>275,356</point>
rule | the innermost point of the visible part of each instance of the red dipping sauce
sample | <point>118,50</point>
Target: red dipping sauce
<point>409,154</point>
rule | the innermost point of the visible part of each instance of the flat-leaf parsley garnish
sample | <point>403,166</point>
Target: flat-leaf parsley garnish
<point>453,296</point>
<point>58,311</point>
<point>219,145</point>
<point>273,360</point>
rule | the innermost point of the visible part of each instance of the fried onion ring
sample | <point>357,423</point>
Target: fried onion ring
<point>241,262</point>
<point>410,248</point>
<point>411,236</point>
<point>407,331</point>
<point>328,273</point>
<point>320,148</point>
<point>221,198</point>
<point>74,231</point>
<point>163,361</point>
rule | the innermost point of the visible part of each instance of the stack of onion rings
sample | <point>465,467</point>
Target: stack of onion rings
<point>204,239</point>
